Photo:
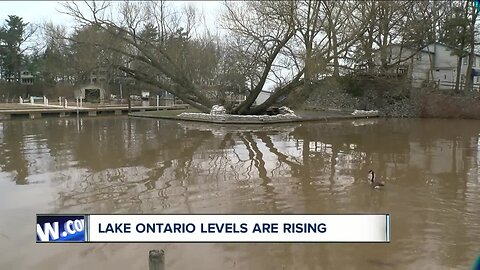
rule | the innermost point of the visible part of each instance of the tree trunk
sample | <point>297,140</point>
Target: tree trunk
<point>296,82</point>
<point>309,72</point>
<point>369,51</point>
<point>307,82</point>
<point>336,65</point>
<point>471,58</point>
<point>459,71</point>
<point>245,106</point>
<point>469,77</point>
<point>384,38</point>
<point>369,48</point>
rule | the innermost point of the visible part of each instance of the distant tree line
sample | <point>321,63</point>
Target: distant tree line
<point>287,44</point>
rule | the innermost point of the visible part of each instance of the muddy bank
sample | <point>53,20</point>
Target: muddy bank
<point>431,104</point>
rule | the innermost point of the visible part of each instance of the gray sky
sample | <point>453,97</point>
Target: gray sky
<point>34,11</point>
<point>45,11</point>
<point>39,12</point>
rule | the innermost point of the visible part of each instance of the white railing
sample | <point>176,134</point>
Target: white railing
<point>33,99</point>
<point>445,85</point>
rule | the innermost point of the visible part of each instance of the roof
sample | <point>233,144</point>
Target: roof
<point>425,49</point>
<point>407,47</point>
<point>450,47</point>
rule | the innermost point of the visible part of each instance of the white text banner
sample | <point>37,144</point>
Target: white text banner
<point>238,228</point>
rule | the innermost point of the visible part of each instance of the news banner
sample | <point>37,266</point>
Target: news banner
<point>374,228</point>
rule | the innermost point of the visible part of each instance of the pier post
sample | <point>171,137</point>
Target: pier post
<point>158,101</point>
<point>78,113</point>
<point>31,100</point>
<point>81,105</point>
<point>34,115</point>
<point>66,103</point>
<point>60,101</point>
<point>21,100</point>
<point>156,260</point>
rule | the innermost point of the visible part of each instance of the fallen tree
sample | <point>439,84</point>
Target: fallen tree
<point>158,48</point>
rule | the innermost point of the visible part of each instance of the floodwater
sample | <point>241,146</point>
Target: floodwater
<point>122,165</point>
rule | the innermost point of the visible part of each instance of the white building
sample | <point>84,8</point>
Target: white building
<point>433,64</point>
<point>26,77</point>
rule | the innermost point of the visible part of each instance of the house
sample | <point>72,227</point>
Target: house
<point>434,64</point>
<point>26,78</point>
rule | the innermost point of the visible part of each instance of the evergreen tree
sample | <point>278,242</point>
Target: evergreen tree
<point>11,38</point>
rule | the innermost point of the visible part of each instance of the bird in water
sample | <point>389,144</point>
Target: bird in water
<point>374,183</point>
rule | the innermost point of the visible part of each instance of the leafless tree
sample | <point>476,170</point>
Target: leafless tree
<point>166,57</point>
<point>288,43</point>
<point>262,31</point>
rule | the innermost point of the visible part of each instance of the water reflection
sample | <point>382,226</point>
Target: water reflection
<point>123,165</point>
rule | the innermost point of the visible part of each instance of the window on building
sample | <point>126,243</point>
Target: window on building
<point>445,77</point>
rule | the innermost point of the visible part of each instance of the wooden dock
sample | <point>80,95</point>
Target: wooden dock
<point>11,111</point>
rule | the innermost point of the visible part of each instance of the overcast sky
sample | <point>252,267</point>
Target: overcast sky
<point>45,11</point>
<point>33,11</point>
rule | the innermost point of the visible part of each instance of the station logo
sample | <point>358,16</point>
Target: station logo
<point>56,228</point>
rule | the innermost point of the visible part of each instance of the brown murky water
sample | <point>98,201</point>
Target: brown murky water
<point>122,165</point>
